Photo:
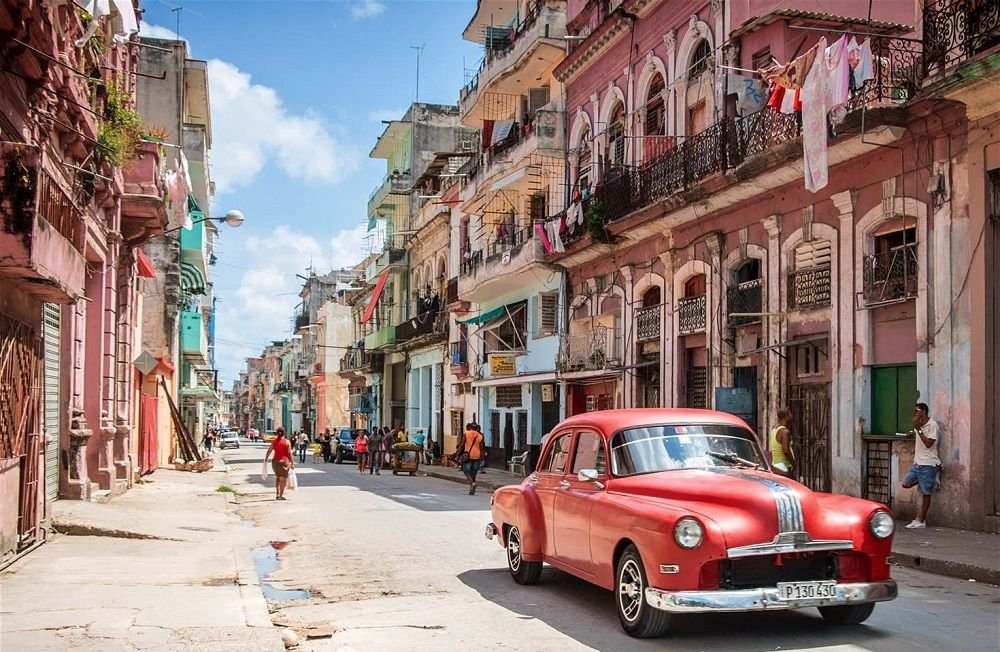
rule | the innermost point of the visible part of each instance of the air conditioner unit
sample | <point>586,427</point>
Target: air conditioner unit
<point>467,146</point>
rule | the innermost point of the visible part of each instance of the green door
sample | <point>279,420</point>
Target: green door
<point>894,392</point>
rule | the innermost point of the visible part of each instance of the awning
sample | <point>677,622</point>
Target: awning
<point>493,314</point>
<point>192,280</point>
<point>546,377</point>
<point>199,393</point>
<point>376,293</point>
<point>509,179</point>
<point>144,265</point>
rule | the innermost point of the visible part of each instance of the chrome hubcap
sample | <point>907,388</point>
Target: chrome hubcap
<point>630,590</point>
<point>514,549</point>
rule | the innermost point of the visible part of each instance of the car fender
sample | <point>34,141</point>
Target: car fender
<point>520,505</point>
<point>649,525</point>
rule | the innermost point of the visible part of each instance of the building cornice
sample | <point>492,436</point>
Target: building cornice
<point>601,39</point>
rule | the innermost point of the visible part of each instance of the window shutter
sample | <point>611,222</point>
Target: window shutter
<point>547,313</point>
<point>537,98</point>
<point>815,253</point>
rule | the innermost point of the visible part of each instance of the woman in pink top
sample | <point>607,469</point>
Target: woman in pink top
<point>282,462</point>
<point>361,450</point>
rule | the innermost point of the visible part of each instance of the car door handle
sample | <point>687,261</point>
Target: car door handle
<point>565,484</point>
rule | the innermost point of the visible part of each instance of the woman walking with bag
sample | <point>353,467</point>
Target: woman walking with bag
<point>282,462</point>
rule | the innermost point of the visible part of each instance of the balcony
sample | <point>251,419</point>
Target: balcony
<point>744,302</point>
<point>144,212</point>
<point>890,276</point>
<point>957,31</point>
<point>458,357</point>
<point>423,329</point>
<point>194,341</point>
<point>42,229</point>
<point>589,351</point>
<point>809,288</point>
<point>394,183</point>
<point>515,57</point>
<point>357,361</point>
<point>382,337</point>
<point>361,403</point>
<point>510,262</point>
<point>194,243</point>
<point>393,255</point>
<point>746,146</point>
<point>647,324</point>
<point>691,315</point>
<point>542,131</point>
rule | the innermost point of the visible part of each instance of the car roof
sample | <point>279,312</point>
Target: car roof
<point>610,421</point>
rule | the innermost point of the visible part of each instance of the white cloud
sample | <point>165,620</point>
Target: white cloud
<point>158,31</point>
<point>386,114</point>
<point>251,125</point>
<point>367,9</point>
<point>260,309</point>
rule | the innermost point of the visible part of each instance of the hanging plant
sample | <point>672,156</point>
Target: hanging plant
<point>17,188</point>
<point>595,222</point>
<point>121,131</point>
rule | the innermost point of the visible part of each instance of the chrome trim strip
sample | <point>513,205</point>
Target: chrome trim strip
<point>786,500</point>
<point>765,598</point>
<point>788,542</point>
<point>669,569</point>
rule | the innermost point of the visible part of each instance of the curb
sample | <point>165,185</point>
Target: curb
<point>947,568</point>
<point>480,482</point>
<point>75,529</point>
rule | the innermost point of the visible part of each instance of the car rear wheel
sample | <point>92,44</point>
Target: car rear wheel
<point>853,614</point>
<point>523,572</point>
<point>638,619</point>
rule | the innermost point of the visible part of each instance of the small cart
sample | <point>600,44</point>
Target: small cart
<point>405,457</point>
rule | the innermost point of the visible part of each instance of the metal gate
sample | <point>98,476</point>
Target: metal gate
<point>810,406</point>
<point>51,343</point>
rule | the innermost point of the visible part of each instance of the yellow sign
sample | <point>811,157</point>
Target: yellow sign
<point>502,364</point>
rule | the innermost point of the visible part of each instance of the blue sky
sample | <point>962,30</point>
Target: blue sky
<point>298,92</point>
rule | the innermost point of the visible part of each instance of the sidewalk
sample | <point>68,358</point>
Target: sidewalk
<point>963,554</point>
<point>166,566</point>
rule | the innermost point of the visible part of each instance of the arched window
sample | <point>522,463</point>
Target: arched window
<point>651,297</point>
<point>616,140</point>
<point>655,109</point>
<point>699,60</point>
<point>694,286</point>
<point>584,162</point>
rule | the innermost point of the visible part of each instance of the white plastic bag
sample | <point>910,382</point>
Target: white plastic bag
<point>293,481</point>
<point>264,471</point>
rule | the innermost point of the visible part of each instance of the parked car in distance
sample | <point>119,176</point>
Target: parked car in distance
<point>343,445</point>
<point>229,439</point>
<point>676,511</point>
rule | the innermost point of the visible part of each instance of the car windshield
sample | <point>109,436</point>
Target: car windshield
<point>665,448</point>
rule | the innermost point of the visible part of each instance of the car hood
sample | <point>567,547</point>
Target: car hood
<point>749,507</point>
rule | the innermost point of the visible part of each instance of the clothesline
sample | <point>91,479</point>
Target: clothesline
<point>851,33</point>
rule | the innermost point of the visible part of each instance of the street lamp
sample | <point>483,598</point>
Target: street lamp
<point>233,218</point>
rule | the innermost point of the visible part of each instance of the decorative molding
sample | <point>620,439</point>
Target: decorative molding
<point>716,7</point>
<point>693,25</point>
<point>714,243</point>
<point>670,40</point>
<point>844,201</point>
<point>772,224</point>
<point>807,223</point>
<point>888,198</point>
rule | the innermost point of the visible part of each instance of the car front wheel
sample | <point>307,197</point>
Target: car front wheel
<point>523,572</point>
<point>638,619</point>
<point>853,614</point>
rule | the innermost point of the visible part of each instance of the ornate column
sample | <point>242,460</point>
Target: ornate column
<point>668,344</point>
<point>73,467</point>
<point>847,383</point>
<point>629,357</point>
<point>713,331</point>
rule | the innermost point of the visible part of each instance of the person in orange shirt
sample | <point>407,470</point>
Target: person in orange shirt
<point>471,453</point>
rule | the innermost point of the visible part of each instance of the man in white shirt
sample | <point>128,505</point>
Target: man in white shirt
<point>925,461</point>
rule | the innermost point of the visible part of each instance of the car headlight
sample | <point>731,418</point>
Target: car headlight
<point>688,533</point>
<point>881,525</point>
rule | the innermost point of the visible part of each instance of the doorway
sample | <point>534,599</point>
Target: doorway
<point>746,378</point>
<point>810,406</point>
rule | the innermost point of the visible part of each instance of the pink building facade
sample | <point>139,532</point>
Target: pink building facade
<point>74,213</point>
<point>736,288</point>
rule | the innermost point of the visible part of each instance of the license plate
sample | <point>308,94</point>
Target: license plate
<point>794,591</point>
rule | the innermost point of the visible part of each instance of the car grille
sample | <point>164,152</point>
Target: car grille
<point>767,570</point>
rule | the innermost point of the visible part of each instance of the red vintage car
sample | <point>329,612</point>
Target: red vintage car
<point>676,511</point>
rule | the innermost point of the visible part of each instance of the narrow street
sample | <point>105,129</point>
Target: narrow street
<point>368,550</point>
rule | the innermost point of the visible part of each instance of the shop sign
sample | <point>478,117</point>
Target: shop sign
<point>502,364</point>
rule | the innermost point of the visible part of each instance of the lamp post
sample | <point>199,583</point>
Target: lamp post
<point>233,218</point>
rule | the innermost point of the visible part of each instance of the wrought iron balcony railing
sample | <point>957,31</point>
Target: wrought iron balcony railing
<point>691,315</point>
<point>355,360</point>
<point>647,324</point>
<point>891,275</point>
<point>429,323</point>
<point>595,349</point>
<point>958,30</point>
<point>511,240</point>
<point>744,302</point>
<point>809,288</point>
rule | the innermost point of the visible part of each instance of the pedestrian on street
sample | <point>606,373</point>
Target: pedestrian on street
<point>926,462</point>
<point>325,445</point>
<point>434,453</point>
<point>282,462</point>
<point>375,452</point>
<point>419,439</point>
<point>361,450</point>
<point>780,445</point>
<point>486,452</point>
<point>470,454</point>
<point>303,446</point>
<point>208,442</point>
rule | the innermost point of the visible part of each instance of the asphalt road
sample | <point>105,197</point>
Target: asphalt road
<point>400,563</point>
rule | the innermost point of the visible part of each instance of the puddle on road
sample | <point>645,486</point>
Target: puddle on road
<point>265,561</point>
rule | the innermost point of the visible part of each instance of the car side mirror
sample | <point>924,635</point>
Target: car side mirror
<point>589,475</point>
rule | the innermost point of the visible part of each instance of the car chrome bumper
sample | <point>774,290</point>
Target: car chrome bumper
<point>491,531</point>
<point>765,598</point>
